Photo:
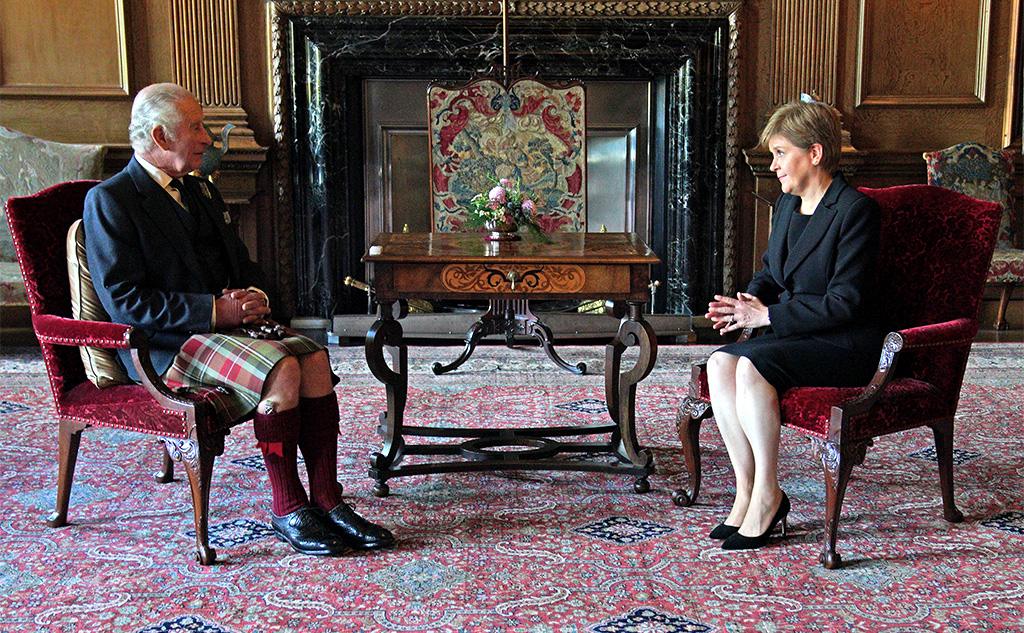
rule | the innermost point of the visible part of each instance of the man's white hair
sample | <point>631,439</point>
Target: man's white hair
<point>155,105</point>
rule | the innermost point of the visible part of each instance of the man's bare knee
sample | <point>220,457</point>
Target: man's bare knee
<point>317,361</point>
<point>281,389</point>
<point>316,375</point>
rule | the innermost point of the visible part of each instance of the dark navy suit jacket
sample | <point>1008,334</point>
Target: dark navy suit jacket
<point>144,265</point>
<point>825,287</point>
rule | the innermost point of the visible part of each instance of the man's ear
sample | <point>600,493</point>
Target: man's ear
<point>160,137</point>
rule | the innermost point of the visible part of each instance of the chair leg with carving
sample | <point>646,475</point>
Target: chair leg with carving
<point>166,472</point>
<point>692,411</point>
<point>838,461</point>
<point>198,463</point>
<point>943,432</point>
<point>68,440</point>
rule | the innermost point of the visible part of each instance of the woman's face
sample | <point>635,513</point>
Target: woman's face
<point>795,167</point>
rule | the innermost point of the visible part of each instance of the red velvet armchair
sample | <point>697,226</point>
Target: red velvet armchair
<point>935,250</point>
<point>185,421</point>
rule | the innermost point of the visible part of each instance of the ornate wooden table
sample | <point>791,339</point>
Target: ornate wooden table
<point>463,266</point>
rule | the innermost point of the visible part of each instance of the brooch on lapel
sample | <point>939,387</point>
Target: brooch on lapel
<point>205,189</point>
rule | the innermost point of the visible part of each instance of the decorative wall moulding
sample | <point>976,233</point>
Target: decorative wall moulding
<point>1013,111</point>
<point>60,47</point>
<point>903,57</point>
<point>474,8</point>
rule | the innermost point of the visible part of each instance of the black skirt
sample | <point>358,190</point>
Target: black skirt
<point>806,361</point>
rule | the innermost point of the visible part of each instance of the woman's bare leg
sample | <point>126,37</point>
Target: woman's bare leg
<point>757,406</point>
<point>722,385</point>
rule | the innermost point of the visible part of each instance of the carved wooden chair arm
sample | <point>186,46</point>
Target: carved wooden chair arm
<point>57,330</point>
<point>949,333</point>
<point>156,386</point>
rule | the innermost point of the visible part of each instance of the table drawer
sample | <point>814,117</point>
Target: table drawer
<point>520,279</point>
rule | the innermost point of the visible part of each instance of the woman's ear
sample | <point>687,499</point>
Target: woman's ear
<point>816,153</point>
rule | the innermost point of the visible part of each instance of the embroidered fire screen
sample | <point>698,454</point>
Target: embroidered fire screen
<point>533,132</point>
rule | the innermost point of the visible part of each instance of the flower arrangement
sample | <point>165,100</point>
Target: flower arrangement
<point>503,210</point>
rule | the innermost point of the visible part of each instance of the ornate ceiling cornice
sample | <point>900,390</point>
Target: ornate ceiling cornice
<point>477,8</point>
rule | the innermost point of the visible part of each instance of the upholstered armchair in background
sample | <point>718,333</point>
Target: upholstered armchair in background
<point>935,251</point>
<point>27,165</point>
<point>986,174</point>
<point>185,421</point>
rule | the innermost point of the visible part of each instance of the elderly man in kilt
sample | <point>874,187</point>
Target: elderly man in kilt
<point>164,260</point>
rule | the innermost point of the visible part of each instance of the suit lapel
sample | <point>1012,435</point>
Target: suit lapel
<point>817,227</point>
<point>777,250</point>
<point>158,207</point>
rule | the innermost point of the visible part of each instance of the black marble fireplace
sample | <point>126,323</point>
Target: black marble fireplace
<point>327,58</point>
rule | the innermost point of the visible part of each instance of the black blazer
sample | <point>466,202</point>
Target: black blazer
<point>143,263</point>
<point>825,288</point>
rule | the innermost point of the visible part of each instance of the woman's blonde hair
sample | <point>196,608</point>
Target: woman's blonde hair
<point>805,123</point>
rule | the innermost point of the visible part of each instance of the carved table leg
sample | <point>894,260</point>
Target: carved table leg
<point>473,336</point>
<point>69,436</point>
<point>837,461</point>
<point>387,332</point>
<point>543,334</point>
<point>198,463</point>
<point>620,387</point>
<point>166,472</point>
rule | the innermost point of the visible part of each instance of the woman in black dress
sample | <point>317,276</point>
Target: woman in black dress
<point>815,291</point>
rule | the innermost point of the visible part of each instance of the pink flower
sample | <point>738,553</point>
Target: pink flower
<point>528,206</point>
<point>497,195</point>
<point>505,182</point>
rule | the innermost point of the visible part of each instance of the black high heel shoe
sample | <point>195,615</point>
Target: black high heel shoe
<point>723,531</point>
<point>738,541</point>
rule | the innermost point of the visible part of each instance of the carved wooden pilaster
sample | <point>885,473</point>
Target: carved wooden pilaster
<point>805,53</point>
<point>204,37</point>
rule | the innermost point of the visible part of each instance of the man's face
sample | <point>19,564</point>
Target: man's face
<point>185,144</point>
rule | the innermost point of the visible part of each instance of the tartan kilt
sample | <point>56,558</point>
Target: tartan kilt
<point>238,364</point>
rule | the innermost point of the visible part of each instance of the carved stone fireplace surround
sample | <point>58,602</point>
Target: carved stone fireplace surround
<point>324,50</point>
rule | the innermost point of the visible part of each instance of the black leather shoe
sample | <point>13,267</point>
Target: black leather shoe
<point>723,531</point>
<point>738,541</point>
<point>307,533</point>
<point>355,531</point>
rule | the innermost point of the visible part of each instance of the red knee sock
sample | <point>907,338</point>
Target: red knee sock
<point>318,441</point>
<point>277,436</point>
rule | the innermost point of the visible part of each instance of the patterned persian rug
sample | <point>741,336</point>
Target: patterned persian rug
<point>535,552</point>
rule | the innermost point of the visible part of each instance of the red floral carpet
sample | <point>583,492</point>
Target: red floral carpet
<point>536,552</point>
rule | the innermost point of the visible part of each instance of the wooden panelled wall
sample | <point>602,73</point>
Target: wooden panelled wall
<point>908,75</point>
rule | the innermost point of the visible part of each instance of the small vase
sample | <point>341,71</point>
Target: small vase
<point>501,231</point>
